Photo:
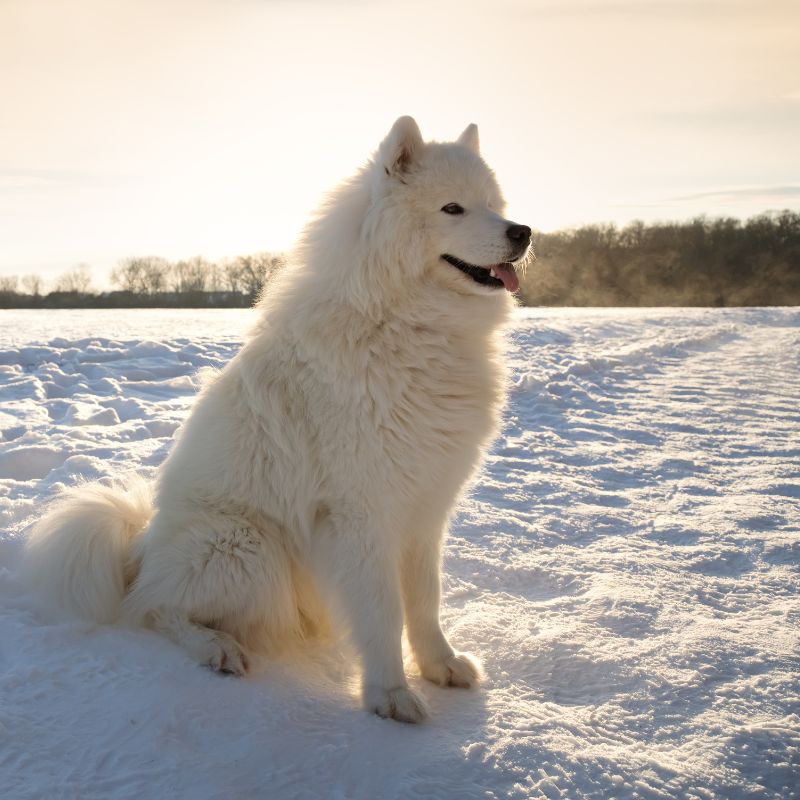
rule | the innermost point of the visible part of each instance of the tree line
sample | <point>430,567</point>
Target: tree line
<point>703,262</point>
<point>150,281</point>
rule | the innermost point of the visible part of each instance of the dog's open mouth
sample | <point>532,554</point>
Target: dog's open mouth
<point>497,275</point>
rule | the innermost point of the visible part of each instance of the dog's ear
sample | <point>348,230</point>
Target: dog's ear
<point>399,149</point>
<point>470,139</point>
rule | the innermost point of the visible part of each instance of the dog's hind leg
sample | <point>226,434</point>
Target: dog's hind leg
<point>207,646</point>
<point>220,585</point>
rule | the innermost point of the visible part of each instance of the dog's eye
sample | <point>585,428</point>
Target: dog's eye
<point>452,208</point>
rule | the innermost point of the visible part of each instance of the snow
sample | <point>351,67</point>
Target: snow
<point>626,568</point>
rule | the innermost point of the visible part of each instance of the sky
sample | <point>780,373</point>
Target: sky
<point>214,127</point>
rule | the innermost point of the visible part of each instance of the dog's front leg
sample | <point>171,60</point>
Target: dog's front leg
<point>421,580</point>
<point>363,573</point>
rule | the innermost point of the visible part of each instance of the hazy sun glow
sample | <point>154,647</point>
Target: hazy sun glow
<point>210,127</point>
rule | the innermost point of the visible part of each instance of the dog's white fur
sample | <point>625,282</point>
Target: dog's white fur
<point>315,476</point>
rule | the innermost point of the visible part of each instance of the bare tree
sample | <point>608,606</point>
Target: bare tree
<point>142,275</point>
<point>156,272</point>
<point>191,275</point>
<point>33,284</point>
<point>8,283</point>
<point>232,271</point>
<point>216,278</point>
<point>256,270</point>
<point>150,274</point>
<point>77,280</point>
<point>127,275</point>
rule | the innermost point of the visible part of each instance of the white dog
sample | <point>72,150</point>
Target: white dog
<point>314,478</point>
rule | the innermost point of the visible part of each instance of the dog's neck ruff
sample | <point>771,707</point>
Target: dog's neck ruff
<point>496,275</point>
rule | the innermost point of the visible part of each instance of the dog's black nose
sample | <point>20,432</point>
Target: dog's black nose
<point>519,234</point>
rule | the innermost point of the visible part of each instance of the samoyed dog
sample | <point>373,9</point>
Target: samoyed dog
<point>312,483</point>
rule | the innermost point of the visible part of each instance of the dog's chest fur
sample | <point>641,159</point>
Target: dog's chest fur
<point>405,401</point>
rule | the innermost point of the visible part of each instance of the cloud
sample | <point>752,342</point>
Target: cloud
<point>768,115</point>
<point>37,180</point>
<point>766,194</point>
<point>738,201</point>
<point>690,9</point>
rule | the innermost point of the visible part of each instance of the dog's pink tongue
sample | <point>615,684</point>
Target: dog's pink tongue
<point>508,275</point>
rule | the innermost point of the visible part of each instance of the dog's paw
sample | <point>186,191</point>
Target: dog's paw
<point>401,704</point>
<point>458,670</point>
<point>226,656</point>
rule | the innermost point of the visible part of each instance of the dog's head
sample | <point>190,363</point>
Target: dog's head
<point>440,204</point>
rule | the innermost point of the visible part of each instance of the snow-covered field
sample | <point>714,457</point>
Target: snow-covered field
<point>626,567</point>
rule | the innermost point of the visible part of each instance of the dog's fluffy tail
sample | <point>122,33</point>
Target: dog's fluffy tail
<point>78,556</point>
